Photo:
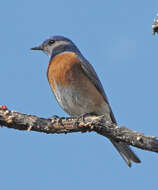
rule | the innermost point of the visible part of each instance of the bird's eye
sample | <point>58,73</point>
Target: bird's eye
<point>51,42</point>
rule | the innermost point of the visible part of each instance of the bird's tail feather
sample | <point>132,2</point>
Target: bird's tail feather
<point>125,151</point>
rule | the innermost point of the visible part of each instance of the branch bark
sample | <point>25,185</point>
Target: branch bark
<point>16,120</point>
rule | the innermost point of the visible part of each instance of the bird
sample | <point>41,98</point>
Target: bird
<point>77,87</point>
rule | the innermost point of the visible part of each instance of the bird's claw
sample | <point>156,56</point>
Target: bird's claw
<point>81,118</point>
<point>57,119</point>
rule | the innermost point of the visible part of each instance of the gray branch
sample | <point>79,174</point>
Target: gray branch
<point>15,120</point>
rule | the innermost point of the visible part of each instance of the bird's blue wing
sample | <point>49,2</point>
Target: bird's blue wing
<point>90,72</point>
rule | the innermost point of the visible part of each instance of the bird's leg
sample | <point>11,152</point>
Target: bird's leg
<point>81,119</point>
<point>57,119</point>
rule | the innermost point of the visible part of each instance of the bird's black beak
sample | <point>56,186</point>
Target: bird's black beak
<point>37,48</point>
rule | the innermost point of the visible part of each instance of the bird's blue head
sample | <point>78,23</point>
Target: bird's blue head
<point>55,45</point>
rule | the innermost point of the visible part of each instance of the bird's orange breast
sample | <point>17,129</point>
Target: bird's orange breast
<point>64,69</point>
<point>72,88</point>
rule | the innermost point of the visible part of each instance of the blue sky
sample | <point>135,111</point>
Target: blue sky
<point>116,37</point>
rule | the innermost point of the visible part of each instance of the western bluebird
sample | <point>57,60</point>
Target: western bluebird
<point>77,87</point>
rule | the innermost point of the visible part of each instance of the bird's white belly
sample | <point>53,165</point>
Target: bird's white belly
<point>76,103</point>
<point>71,100</point>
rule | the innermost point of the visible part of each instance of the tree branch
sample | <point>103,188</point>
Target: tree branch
<point>15,120</point>
<point>155,26</point>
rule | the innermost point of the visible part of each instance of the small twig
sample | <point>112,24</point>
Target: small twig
<point>155,26</point>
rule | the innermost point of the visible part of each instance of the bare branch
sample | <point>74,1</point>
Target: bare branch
<point>155,26</point>
<point>15,120</point>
